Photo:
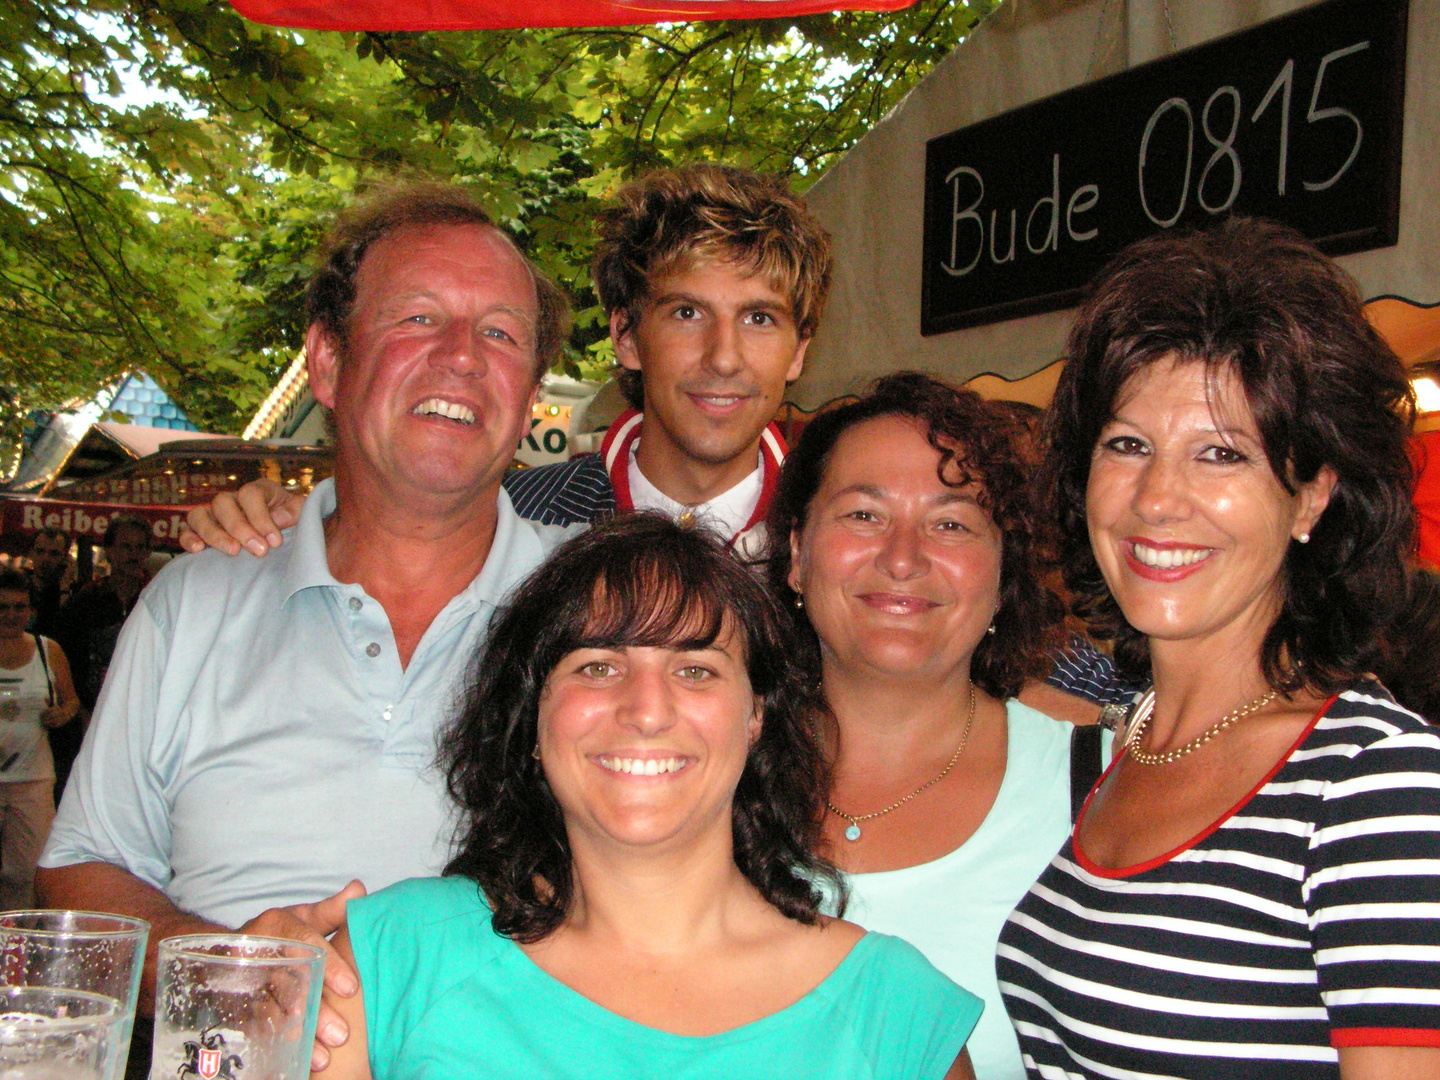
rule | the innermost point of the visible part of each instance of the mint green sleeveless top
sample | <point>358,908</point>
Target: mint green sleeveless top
<point>446,996</point>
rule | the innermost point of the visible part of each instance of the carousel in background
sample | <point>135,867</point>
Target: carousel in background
<point>132,451</point>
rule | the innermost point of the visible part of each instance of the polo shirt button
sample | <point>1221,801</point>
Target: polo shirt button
<point>373,649</point>
<point>386,714</point>
<point>355,604</point>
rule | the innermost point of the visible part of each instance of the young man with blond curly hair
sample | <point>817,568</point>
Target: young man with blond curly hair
<point>714,280</point>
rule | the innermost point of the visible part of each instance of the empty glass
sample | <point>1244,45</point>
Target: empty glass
<point>68,984</point>
<point>235,1007</point>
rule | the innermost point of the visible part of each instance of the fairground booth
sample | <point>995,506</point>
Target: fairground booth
<point>119,469</point>
<point>147,461</point>
<point>131,449</point>
<point>968,221</point>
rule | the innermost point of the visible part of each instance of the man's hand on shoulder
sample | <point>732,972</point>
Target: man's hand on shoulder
<point>250,518</point>
<point>315,924</point>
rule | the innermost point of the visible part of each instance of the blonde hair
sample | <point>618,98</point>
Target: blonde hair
<point>668,218</point>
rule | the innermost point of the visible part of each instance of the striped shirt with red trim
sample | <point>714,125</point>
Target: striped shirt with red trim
<point>1306,919</point>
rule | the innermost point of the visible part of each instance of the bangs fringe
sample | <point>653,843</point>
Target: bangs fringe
<point>655,601</point>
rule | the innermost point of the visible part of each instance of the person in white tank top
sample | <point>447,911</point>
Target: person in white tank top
<point>36,693</point>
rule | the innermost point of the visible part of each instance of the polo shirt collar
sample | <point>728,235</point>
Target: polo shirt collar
<point>516,550</point>
<point>308,566</point>
<point>514,553</point>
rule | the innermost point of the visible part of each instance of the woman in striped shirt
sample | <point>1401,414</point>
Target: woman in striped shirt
<point>1253,889</point>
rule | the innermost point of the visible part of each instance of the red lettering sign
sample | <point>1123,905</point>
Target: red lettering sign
<point>22,517</point>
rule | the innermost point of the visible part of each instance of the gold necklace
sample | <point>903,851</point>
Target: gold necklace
<point>853,832</point>
<point>1146,708</point>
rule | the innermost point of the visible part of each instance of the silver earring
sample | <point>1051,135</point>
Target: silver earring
<point>799,602</point>
<point>535,752</point>
<point>990,629</point>
<point>1304,538</point>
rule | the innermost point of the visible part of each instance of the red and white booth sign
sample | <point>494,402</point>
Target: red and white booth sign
<point>392,15</point>
<point>88,521</point>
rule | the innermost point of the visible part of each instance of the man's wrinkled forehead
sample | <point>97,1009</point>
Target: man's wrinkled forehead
<point>383,269</point>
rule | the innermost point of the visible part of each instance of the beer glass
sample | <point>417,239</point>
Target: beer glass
<point>68,984</point>
<point>235,1007</point>
<point>49,1034</point>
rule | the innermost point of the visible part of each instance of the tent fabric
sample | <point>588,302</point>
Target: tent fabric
<point>394,15</point>
<point>141,441</point>
<point>872,201</point>
<point>1411,328</point>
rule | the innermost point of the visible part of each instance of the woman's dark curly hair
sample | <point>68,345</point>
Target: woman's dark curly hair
<point>1256,299</point>
<point>638,580</point>
<point>977,443</point>
<point>1409,663</point>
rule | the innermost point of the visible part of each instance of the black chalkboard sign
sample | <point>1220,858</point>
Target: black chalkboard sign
<point>1298,119</point>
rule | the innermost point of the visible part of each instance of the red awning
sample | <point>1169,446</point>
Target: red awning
<point>1426,454</point>
<point>518,14</point>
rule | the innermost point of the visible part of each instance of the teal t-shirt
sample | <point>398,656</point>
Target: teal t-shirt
<point>446,996</point>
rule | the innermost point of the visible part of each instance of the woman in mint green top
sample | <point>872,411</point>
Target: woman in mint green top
<point>636,892</point>
<point>904,529</point>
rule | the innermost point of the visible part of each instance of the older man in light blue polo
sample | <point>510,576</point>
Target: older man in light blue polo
<point>267,731</point>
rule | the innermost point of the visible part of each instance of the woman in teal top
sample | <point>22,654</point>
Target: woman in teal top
<point>636,892</point>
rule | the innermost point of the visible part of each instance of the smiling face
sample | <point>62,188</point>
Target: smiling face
<point>717,346</point>
<point>900,572</point>
<point>432,389</point>
<point>644,745</point>
<point>1189,523</point>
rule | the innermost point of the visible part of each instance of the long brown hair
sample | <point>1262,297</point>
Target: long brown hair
<point>1259,300</point>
